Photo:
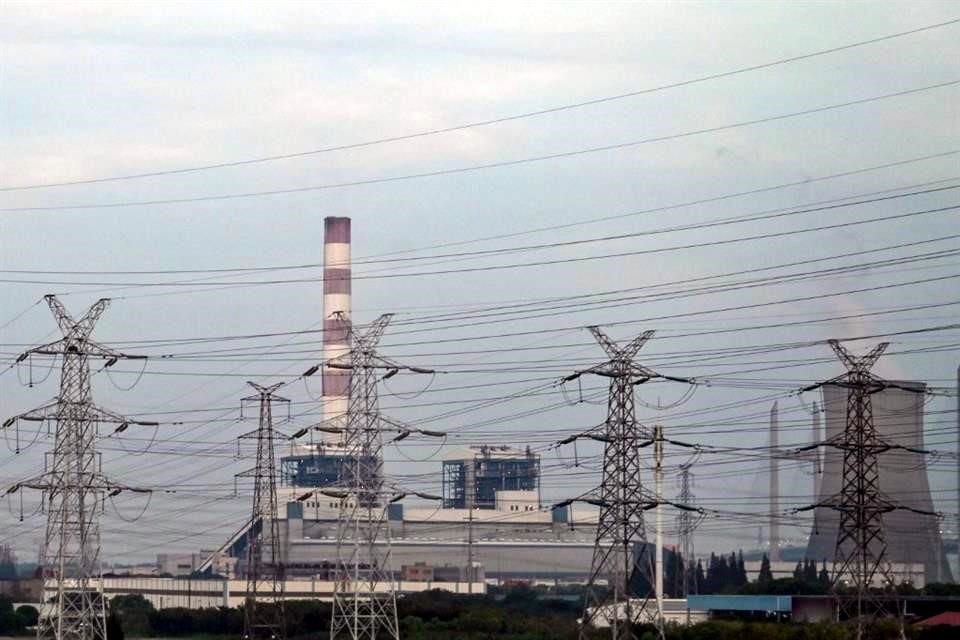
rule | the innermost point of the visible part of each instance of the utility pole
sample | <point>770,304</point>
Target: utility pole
<point>364,592</point>
<point>860,553</point>
<point>621,539</point>
<point>73,485</point>
<point>470,551</point>
<point>658,487</point>
<point>685,525</point>
<point>263,609</point>
<point>817,460</point>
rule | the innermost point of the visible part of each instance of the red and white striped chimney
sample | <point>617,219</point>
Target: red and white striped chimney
<point>336,297</point>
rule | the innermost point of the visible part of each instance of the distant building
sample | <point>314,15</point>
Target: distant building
<point>186,564</point>
<point>476,477</point>
<point>507,534</point>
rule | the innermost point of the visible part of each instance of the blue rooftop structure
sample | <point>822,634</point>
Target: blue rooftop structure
<point>755,604</point>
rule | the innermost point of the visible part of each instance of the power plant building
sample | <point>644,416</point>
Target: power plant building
<point>506,535</point>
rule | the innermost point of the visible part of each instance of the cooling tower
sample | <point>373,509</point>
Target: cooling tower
<point>910,537</point>
<point>336,298</point>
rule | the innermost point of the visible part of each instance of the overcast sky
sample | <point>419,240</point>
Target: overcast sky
<point>93,90</point>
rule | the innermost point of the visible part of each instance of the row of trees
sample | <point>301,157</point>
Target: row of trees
<point>516,614</point>
<point>723,574</point>
<point>519,614</point>
<point>728,574</point>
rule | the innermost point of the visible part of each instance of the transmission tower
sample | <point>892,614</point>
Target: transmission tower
<point>860,565</point>
<point>685,524</point>
<point>73,485</point>
<point>620,551</point>
<point>364,595</point>
<point>265,569</point>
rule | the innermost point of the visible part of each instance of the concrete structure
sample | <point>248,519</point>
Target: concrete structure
<point>336,299</point>
<point>185,564</point>
<point>675,611</point>
<point>775,516</point>
<point>513,536</point>
<point>200,593</point>
<point>796,608</point>
<point>486,477</point>
<point>510,545</point>
<point>911,538</point>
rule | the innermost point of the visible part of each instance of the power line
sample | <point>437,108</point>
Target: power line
<point>481,167</point>
<point>483,123</point>
<point>767,214</point>
<point>496,267</point>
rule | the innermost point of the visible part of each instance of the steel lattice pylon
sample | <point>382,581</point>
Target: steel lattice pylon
<point>74,487</point>
<point>364,595</point>
<point>685,525</point>
<point>862,579</point>
<point>265,570</point>
<point>620,549</point>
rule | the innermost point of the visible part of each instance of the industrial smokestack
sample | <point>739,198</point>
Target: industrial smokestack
<point>817,461</point>
<point>774,554</point>
<point>336,298</point>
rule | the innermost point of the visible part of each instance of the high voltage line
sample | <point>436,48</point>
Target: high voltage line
<point>768,214</point>
<point>491,121</point>
<point>482,167</point>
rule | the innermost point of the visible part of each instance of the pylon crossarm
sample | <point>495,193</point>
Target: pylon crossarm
<point>845,356</point>
<point>95,413</point>
<point>46,412</point>
<point>372,332</point>
<point>65,321</point>
<point>32,483</point>
<point>336,424</point>
<point>893,385</point>
<point>267,390</point>
<point>866,362</point>
<point>582,372</point>
<point>609,346</point>
<point>636,344</point>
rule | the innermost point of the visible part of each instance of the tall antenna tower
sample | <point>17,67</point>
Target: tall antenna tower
<point>686,526</point>
<point>265,568</point>
<point>621,537</point>
<point>364,594</point>
<point>860,561</point>
<point>73,484</point>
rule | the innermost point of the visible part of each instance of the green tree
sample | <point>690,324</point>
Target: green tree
<point>824,577</point>
<point>10,622</point>
<point>798,571</point>
<point>699,578</point>
<point>114,628</point>
<point>28,615</point>
<point>809,571</point>
<point>766,575</point>
<point>133,613</point>
<point>740,577</point>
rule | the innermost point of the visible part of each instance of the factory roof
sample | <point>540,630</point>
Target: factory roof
<point>781,604</point>
<point>947,618</point>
